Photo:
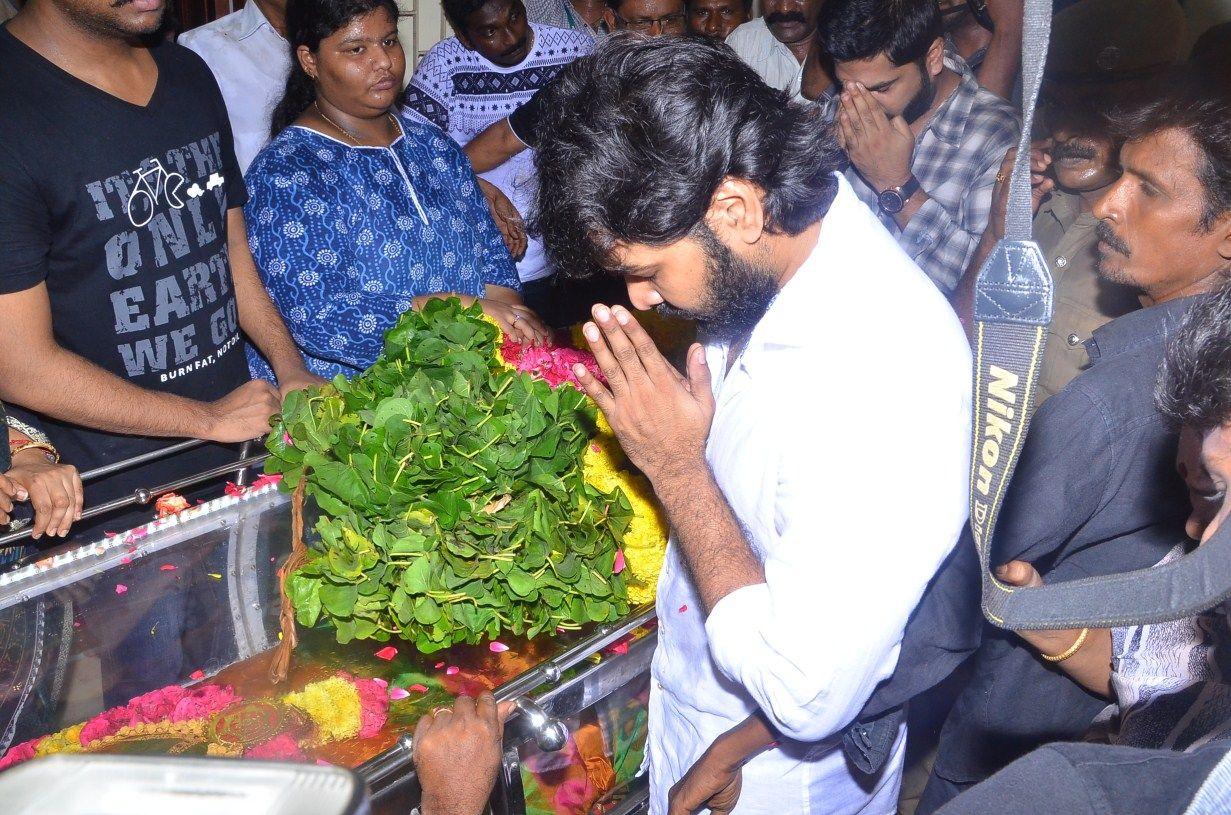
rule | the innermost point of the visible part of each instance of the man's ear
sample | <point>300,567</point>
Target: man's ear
<point>307,60</point>
<point>609,18</point>
<point>1223,227</point>
<point>736,212</point>
<point>935,59</point>
<point>460,33</point>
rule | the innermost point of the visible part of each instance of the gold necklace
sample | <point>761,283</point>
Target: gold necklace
<point>341,129</point>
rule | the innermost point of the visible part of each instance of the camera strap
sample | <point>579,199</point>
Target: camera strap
<point>1012,310</point>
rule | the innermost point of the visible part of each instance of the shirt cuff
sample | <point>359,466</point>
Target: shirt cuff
<point>923,230</point>
<point>734,626</point>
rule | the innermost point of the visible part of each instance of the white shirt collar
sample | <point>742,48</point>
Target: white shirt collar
<point>251,20</point>
<point>791,316</point>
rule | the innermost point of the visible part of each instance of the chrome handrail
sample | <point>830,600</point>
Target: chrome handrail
<point>143,495</point>
<point>400,756</point>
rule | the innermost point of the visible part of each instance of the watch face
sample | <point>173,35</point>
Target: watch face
<point>891,201</point>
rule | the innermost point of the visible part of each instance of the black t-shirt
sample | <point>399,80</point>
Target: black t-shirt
<point>121,211</point>
<point>524,122</point>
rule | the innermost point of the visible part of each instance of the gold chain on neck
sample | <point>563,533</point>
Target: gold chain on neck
<point>343,130</point>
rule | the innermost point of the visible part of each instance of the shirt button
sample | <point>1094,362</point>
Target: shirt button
<point>1062,262</point>
<point>1073,340</point>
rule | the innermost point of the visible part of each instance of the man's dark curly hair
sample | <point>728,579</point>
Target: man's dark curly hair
<point>1194,384</point>
<point>638,136</point>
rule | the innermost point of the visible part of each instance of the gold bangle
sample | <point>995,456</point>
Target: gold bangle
<point>1068,652</point>
<point>52,452</point>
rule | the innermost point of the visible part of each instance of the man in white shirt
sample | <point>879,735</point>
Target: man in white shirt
<point>250,57</point>
<point>777,44</point>
<point>812,462</point>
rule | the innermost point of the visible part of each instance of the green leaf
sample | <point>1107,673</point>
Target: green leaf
<point>520,582</point>
<point>338,600</point>
<point>305,595</point>
<point>415,577</point>
<point>427,611</point>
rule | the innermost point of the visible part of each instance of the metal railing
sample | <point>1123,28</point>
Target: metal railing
<point>143,495</point>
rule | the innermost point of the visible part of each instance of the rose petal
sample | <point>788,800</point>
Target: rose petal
<point>120,588</point>
<point>683,608</point>
<point>166,567</point>
<point>381,682</point>
<point>397,694</point>
<point>497,647</point>
<point>619,562</point>
<point>387,653</point>
<point>439,665</point>
<point>618,648</point>
<point>417,688</point>
<point>126,560</point>
<point>452,670</point>
<point>196,676</point>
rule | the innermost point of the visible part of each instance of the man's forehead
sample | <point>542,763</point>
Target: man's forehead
<point>493,11</point>
<point>645,9</point>
<point>714,4</point>
<point>869,71</point>
<point>1168,158</point>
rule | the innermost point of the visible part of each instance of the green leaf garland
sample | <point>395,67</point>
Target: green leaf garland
<point>452,499</point>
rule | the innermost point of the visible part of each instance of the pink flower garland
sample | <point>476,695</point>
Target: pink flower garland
<point>551,363</point>
<point>373,704</point>
<point>178,704</point>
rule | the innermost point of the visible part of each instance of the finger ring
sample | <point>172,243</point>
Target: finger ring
<point>1000,179</point>
<point>437,710</point>
<point>516,317</point>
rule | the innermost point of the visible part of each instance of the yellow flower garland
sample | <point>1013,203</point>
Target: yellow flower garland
<point>333,705</point>
<point>645,541</point>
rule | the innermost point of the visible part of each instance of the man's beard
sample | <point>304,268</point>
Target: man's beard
<point>922,101</point>
<point>737,293</point>
<point>109,27</point>
<point>1114,243</point>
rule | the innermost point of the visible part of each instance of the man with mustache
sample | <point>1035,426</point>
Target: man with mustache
<point>494,64</point>
<point>776,45</point>
<point>1096,491</point>
<point>1073,167</point>
<point>924,139</point>
<point>786,586</point>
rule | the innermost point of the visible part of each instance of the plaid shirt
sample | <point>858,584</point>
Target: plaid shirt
<point>956,160</point>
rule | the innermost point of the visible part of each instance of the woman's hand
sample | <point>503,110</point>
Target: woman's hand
<point>517,320</point>
<point>505,307</point>
<point>54,490</point>
<point>508,219</point>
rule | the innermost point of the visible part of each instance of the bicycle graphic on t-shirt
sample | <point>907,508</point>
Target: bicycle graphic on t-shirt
<point>151,185</point>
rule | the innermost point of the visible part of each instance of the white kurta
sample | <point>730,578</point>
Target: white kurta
<point>841,441</point>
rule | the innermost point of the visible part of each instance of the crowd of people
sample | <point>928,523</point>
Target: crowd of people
<point>191,231</point>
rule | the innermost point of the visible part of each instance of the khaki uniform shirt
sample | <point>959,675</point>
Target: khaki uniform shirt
<point>1083,300</point>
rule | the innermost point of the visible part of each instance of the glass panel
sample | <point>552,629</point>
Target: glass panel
<point>193,601</point>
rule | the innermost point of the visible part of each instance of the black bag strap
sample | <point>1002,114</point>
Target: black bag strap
<point>1012,309</point>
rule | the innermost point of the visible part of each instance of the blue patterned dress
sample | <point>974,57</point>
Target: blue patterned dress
<point>345,236</point>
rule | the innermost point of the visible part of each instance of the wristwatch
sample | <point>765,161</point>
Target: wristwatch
<point>892,200</point>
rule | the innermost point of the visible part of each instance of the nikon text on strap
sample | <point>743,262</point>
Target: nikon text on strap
<point>1013,306</point>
